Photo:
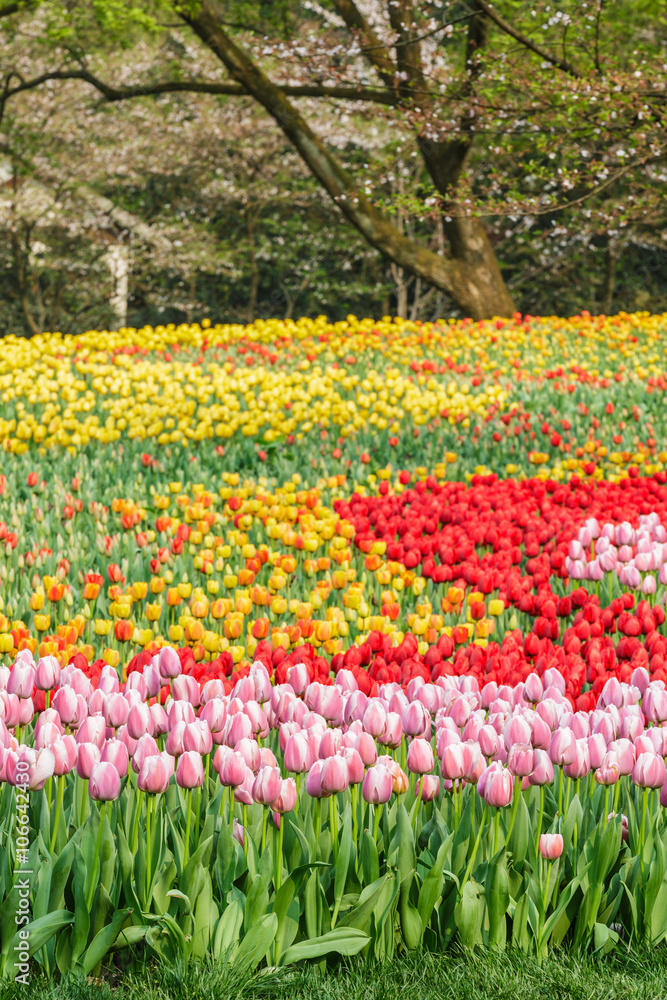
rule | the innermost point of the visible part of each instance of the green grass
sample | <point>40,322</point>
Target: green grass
<point>454,976</point>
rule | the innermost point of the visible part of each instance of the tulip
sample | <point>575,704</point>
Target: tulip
<point>233,770</point>
<point>375,718</point>
<point>92,730</point>
<point>146,747</point>
<point>543,769</point>
<point>286,799</point>
<point>563,747</point>
<point>297,754</point>
<point>47,673</point>
<point>377,785</point>
<point>314,780</point>
<point>416,719</point>
<point>420,759</point>
<point>190,770</point>
<point>649,771</point>
<point>581,764</point>
<point>154,774</point>
<point>185,688</point>
<point>116,753</point>
<point>65,753</point>
<point>170,664</point>
<point>366,747</point>
<point>331,742</point>
<point>608,771</point>
<point>625,755</point>
<point>87,756</point>
<point>174,744</point>
<point>499,788</point>
<point>520,759</point>
<point>393,731</point>
<point>355,765</point>
<point>197,736</point>
<point>453,762</point>
<point>139,721</point>
<point>21,679</point>
<point>430,786</point>
<point>267,785</point>
<point>335,777</point>
<point>104,783</point>
<point>551,846</point>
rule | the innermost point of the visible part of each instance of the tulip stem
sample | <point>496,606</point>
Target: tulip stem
<point>149,837</point>
<point>546,888</point>
<point>496,829</point>
<point>279,855</point>
<point>60,791</point>
<point>94,878</point>
<point>354,792</point>
<point>135,831</point>
<point>188,809</point>
<point>606,804</point>
<point>561,778</point>
<point>231,811</point>
<point>318,823</point>
<point>617,792</point>
<point>642,831</point>
<point>245,829</point>
<point>474,850</point>
<point>419,800</point>
<point>515,806</point>
<point>376,827</point>
<point>539,819</point>
<point>333,824</point>
<point>263,829</point>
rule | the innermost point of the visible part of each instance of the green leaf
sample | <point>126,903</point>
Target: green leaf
<point>431,887</point>
<point>496,887</point>
<point>228,930</point>
<point>342,941</point>
<point>370,865</point>
<point>342,864</point>
<point>39,932</point>
<point>469,913</point>
<point>257,942</point>
<point>258,896</point>
<point>104,940</point>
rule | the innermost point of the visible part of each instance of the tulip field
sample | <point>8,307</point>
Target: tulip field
<point>323,640</point>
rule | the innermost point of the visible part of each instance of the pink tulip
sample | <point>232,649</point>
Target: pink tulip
<point>331,704</point>
<point>654,704</point>
<point>420,758</point>
<point>551,846</point>
<point>136,681</point>
<point>355,765</point>
<point>375,718</point>
<point>297,676</point>
<point>366,747</point>
<point>581,764</point>
<point>146,747</point>
<point>28,767</point>
<point>22,679</point>
<point>267,785</point>
<point>335,777</point>
<point>170,664</point>
<point>154,774</point>
<point>180,711</point>
<point>87,756</point>
<point>174,744</point>
<point>498,788</point>
<point>488,741</point>
<point>430,784</point>
<point>517,730</point>
<point>649,771</point>
<point>608,771</point>
<point>377,785</point>
<point>532,688</point>
<point>233,770</point>
<point>115,752</point>
<point>453,762</point>
<point>286,800</point>
<point>297,756</point>
<point>251,753</point>
<point>117,711</point>
<point>104,783</point>
<point>197,736</point>
<point>47,673</point>
<point>214,714</point>
<point>393,731</point>
<point>543,769</point>
<point>139,721</point>
<point>64,751</point>
<point>190,770</point>
<point>71,707</point>
<point>330,743</point>
<point>160,721</point>
<point>243,792</point>
<point>563,748</point>
<point>520,759</point>
<point>416,719</point>
<point>597,748</point>
<point>625,755</point>
<point>314,780</point>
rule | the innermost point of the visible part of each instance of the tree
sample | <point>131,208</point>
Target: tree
<point>515,112</point>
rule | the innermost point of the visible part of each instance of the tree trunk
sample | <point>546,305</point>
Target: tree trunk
<point>480,295</point>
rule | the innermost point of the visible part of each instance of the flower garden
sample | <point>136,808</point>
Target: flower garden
<point>323,640</point>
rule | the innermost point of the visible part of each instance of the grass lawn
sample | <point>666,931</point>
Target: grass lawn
<point>455,976</point>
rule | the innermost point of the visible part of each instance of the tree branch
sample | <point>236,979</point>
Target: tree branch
<point>371,223</point>
<point>377,52</point>
<point>347,92</point>
<point>561,64</point>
